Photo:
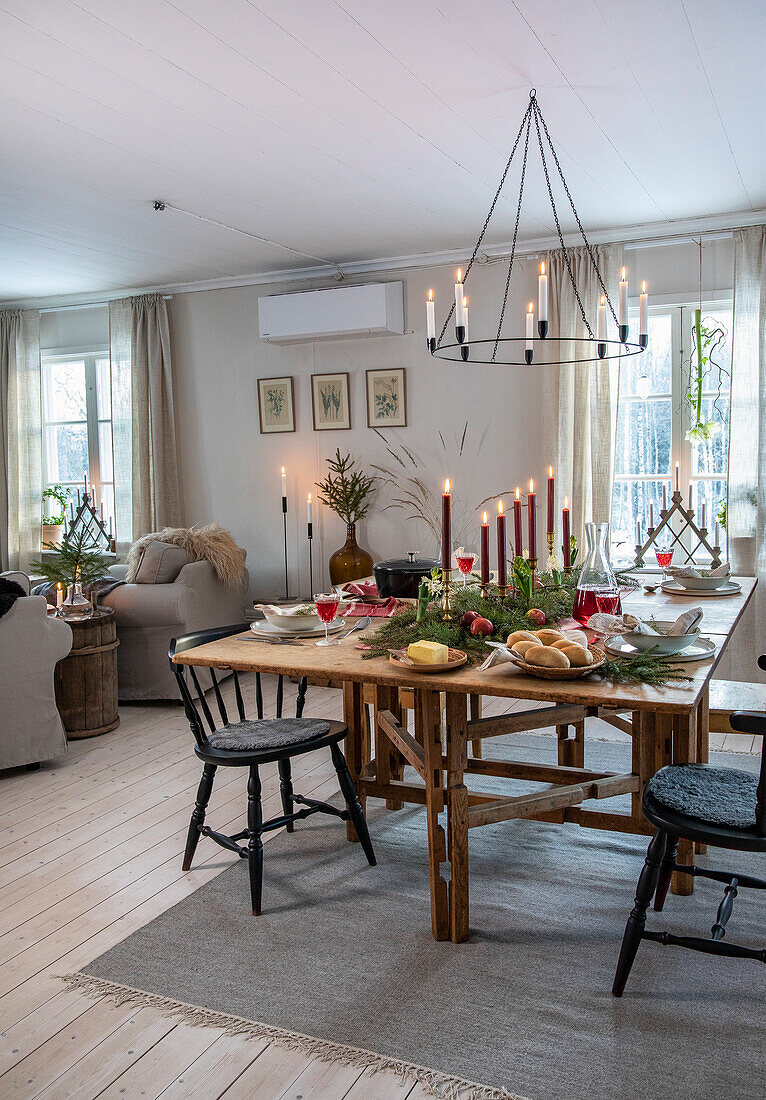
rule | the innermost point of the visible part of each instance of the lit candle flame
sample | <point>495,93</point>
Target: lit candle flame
<point>643,288</point>
<point>566,503</point>
<point>542,268</point>
<point>518,493</point>
<point>447,486</point>
<point>459,275</point>
<point>624,273</point>
<point>603,300</point>
<point>550,471</point>
<point>465,303</point>
<point>531,485</point>
<point>308,498</point>
<point>484,519</point>
<point>430,295</point>
<point>283,469</point>
<point>500,508</point>
<point>531,308</point>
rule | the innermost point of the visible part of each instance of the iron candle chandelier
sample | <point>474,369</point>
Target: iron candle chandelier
<point>589,348</point>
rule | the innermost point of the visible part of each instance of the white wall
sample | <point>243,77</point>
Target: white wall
<point>231,472</point>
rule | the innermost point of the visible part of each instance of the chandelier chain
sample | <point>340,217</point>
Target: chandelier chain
<point>477,246</point>
<point>558,226</point>
<point>515,235</point>
<point>579,223</point>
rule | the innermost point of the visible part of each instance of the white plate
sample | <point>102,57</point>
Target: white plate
<point>662,642</point>
<point>676,589</point>
<point>266,630</point>
<point>702,650</point>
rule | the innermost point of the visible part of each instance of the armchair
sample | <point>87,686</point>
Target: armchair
<point>149,615</point>
<point>31,644</point>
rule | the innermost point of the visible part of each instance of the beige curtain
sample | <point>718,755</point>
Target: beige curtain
<point>746,500</point>
<point>21,451</point>
<point>580,410</point>
<point>140,336</point>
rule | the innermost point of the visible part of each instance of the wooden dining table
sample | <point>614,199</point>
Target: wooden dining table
<point>667,725</point>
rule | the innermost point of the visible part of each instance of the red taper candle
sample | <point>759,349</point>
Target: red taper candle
<point>517,536</point>
<point>484,548</point>
<point>446,526</point>
<point>567,547</point>
<point>502,575</point>
<point>532,506</point>
<point>551,522</point>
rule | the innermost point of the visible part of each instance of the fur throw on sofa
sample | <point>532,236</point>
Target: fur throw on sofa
<point>9,593</point>
<point>212,543</point>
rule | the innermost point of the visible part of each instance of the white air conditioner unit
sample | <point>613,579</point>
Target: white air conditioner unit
<point>374,309</point>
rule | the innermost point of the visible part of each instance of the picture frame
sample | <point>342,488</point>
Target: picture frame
<point>276,405</point>
<point>330,403</point>
<point>386,398</point>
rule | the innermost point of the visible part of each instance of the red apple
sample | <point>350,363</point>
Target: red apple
<point>467,618</point>
<point>536,616</point>
<point>481,627</point>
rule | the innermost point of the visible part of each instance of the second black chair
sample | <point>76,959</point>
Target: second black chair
<point>249,744</point>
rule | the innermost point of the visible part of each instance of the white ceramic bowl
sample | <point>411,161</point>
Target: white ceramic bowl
<point>293,624</point>
<point>666,644</point>
<point>701,584</point>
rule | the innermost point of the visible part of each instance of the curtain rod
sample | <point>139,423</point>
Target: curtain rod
<point>91,305</point>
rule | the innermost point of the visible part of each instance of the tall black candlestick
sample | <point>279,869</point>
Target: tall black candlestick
<point>311,560</point>
<point>284,524</point>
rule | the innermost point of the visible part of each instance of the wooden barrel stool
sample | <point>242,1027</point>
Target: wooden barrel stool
<point>86,680</point>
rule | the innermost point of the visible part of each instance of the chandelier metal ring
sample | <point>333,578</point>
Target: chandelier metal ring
<point>614,349</point>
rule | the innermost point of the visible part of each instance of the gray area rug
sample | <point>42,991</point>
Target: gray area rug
<point>343,953</point>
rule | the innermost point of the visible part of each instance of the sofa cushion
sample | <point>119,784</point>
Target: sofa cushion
<point>160,563</point>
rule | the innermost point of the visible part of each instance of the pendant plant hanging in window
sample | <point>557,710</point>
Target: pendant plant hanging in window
<point>706,372</point>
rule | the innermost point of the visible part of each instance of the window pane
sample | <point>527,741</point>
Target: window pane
<point>66,451</point>
<point>710,456</point>
<point>632,500</point>
<point>64,391</point>
<point>107,500</point>
<point>712,492</point>
<point>643,437</point>
<point>105,450</point>
<point>103,389</point>
<point>649,372</point>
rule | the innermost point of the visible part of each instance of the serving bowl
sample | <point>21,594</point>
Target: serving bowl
<point>701,584</point>
<point>666,644</point>
<point>295,624</point>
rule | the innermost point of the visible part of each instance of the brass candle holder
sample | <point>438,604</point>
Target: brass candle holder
<point>503,591</point>
<point>533,570</point>
<point>446,609</point>
<point>550,536</point>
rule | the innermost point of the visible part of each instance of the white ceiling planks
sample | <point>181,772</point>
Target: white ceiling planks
<point>354,129</point>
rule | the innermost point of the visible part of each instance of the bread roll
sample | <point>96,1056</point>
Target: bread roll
<point>577,636</point>
<point>578,655</point>
<point>547,636</point>
<point>561,643</point>
<point>546,656</point>
<point>521,635</point>
<point>522,646</point>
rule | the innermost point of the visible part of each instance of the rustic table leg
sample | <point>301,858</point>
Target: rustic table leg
<point>457,816</point>
<point>644,735</point>
<point>390,763</point>
<point>703,743</point>
<point>353,715</point>
<point>428,721</point>
<point>474,703</point>
<point>571,750</point>
<point>684,752</point>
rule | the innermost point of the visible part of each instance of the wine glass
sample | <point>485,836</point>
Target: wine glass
<point>608,600</point>
<point>465,563</point>
<point>327,604</point>
<point>664,556</point>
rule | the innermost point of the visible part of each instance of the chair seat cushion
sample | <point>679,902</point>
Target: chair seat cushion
<point>715,796</point>
<point>267,733</point>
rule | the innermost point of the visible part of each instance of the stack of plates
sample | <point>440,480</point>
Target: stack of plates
<point>619,645</point>
<point>675,588</point>
<point>262,629</point>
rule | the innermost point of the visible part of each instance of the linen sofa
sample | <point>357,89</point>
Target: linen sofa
<point>31,645</point>
<point>150,614</point>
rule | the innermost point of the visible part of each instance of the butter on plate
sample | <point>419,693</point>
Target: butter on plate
<point>428,653</point>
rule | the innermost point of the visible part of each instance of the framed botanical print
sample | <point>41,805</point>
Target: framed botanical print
<point>276,408</point>
<point>386,399</point>
<point>329,400</point>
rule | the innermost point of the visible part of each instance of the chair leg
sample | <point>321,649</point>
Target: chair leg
<point>666,872</point>
<point>348,790</point>
<point>254,842</point>
<point>301,700</point>
<point>647,884</point>
<point>286,788</point>
<point>198,814</point>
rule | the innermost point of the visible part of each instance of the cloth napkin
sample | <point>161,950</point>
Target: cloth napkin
<point>689,571</point>
<point>359,609</point>
<point>365,590</point>
<point>630,624</point>
<point>287,612</point>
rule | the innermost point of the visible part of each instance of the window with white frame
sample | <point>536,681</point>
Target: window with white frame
<point>657,408</point>
<point>77,423</point>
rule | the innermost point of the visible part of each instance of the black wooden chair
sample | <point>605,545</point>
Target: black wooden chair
<point>723,807</point>
<point>249,744</point>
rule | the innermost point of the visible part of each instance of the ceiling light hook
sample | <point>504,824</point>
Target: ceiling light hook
<point>532,93</point>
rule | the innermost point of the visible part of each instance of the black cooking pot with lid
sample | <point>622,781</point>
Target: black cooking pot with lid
<point>400,577</point>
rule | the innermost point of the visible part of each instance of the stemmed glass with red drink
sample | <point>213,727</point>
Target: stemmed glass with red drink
<point>465,563</point>
<point>327,604</point>
<point>608,600</point>
<point>664,556</point>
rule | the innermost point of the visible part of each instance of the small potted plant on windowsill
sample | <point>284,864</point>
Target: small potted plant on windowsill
<point>53,525</point>
<point>347,492</point>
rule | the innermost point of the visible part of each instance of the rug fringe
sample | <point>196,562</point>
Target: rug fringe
<point>442,1085</point>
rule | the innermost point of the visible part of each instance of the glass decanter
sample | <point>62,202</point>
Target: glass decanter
<point>596,575</point>
<point>75,606</point>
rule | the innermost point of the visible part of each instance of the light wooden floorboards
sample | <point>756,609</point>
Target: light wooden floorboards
<point>90,850</point>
